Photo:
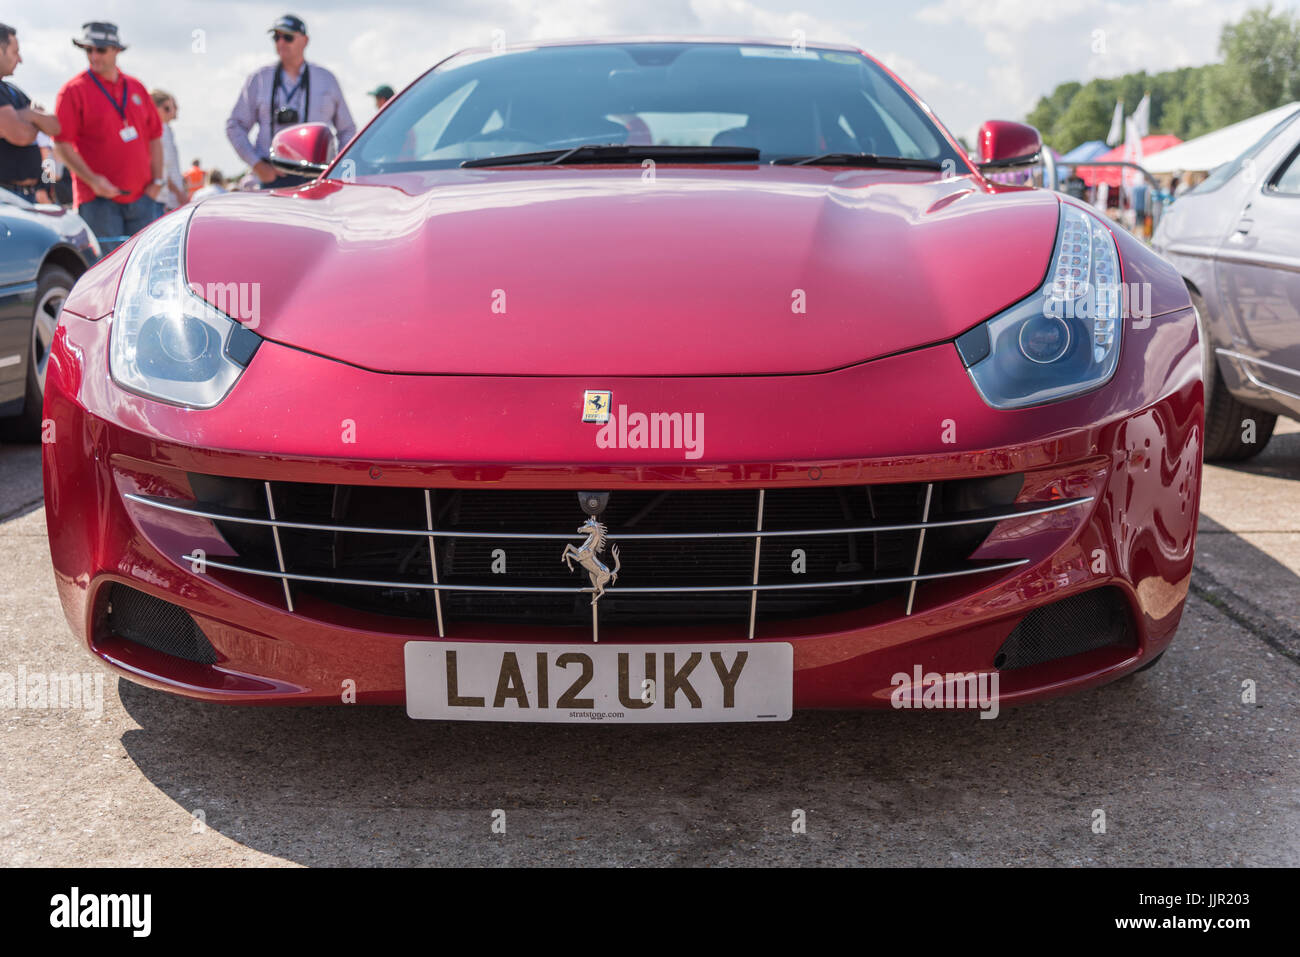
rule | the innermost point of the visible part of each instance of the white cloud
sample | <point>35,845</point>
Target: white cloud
<point>921,81</point>
<point>743,18</point>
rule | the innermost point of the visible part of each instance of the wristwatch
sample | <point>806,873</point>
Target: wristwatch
<point>159,182</point>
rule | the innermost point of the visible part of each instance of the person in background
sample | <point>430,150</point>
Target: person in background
<point>216,186</point>
<point>283,94</point>
<point>174,193</point>
<point>382,95</point>
<point>56,181</point>
<point>194,177</point>
<point>20,124</point>
<point>1140,195</point>
<point>111,138</point>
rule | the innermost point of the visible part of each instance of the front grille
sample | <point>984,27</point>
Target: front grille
<point>688,556</point>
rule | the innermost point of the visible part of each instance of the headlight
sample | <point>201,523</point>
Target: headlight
<point>167,342</point>
<point>1064,339</point>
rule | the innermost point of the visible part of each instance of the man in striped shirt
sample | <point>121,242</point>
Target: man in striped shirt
<point>283,94</point>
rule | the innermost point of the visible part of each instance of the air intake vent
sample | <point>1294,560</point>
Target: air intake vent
<point>1095,619</point>
<point>157,624</point>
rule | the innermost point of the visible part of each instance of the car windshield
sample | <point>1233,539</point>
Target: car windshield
<point>1221,174</point>
<point>782,102</point>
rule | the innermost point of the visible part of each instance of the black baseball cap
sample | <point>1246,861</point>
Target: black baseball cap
<point>289,24</point>
<point>385,91</point>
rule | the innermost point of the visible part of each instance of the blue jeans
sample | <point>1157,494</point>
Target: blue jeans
<point>26,192</point>
<point>113,223</point>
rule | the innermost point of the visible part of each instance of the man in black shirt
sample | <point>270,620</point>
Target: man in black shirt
<point>20,157</point>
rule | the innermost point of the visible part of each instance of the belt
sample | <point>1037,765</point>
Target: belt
<point>23,182</point>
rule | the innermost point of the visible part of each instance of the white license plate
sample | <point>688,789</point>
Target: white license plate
<point>619,684</point>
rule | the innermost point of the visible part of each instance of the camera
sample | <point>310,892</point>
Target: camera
<point>286,117</point>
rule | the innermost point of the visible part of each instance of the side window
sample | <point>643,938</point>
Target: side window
<point>1288,180</point>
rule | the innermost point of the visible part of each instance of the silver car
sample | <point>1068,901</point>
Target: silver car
<point>43,251</point>
<point>1236,240</point>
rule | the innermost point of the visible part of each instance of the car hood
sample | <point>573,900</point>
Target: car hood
<point>579,270</point>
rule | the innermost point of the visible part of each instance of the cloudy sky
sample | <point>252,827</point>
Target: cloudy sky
<point>972,60</point>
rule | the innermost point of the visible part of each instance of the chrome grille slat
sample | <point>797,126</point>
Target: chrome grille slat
<point>1001,516</point>
<point>655,590</point>
<point>279,552</point>
<point>758,544</point>
<point>920,545</point>
<point>433,561</point>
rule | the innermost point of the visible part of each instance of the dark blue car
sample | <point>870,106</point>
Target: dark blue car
<point>43,249</point>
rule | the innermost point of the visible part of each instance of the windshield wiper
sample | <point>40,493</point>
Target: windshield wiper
<point>617,153</point>
<point>858,159</point>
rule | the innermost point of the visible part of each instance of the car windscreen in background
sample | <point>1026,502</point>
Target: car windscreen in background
<point>1221,174</point>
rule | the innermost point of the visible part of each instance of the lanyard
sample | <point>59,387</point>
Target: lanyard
<point>121,110</point>
<point>288,94</point>
<point>304,81</point>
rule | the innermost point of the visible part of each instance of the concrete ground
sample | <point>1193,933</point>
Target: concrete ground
<point>1185,772</point>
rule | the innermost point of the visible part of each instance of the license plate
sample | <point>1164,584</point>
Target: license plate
<point>619,684</point>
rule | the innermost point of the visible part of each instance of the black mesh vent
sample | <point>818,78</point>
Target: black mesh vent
<point>157,624</point>
<point>1095,619</point>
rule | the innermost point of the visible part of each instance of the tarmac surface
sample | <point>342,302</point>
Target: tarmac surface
<point>1184,770</point>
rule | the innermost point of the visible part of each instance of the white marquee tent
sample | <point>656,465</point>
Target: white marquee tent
<point>1214,149</point>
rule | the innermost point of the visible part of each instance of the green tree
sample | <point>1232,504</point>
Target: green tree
<point>1086,118</point>
<point>1260,71</point>
<point>1261,67</point>
<point>1049,108</point>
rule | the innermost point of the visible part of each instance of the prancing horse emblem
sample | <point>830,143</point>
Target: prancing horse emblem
<point>586,556</point>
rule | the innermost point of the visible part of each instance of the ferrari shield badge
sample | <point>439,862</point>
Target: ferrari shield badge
<point>595,406</point>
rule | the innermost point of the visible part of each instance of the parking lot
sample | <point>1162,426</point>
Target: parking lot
<point>1182,769</point>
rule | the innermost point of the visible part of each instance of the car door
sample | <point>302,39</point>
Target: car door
<point>1258,271</point>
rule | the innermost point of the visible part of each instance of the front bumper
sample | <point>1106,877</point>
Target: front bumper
<point>1132,447</point>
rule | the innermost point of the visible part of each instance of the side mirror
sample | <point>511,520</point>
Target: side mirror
<point>304,150</point>
<point>1004,144</point>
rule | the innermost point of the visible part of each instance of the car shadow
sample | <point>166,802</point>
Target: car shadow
<point>366,785</point>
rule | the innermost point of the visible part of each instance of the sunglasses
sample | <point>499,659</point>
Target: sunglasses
<point>99,50</point>
<point>285,37</point>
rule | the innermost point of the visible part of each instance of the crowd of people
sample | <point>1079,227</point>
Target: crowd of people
<point>108,149</point>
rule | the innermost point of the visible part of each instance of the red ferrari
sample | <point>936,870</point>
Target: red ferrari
<point>634,380</point>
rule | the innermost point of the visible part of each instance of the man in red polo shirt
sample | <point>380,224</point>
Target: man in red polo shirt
<point>111,140</point>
